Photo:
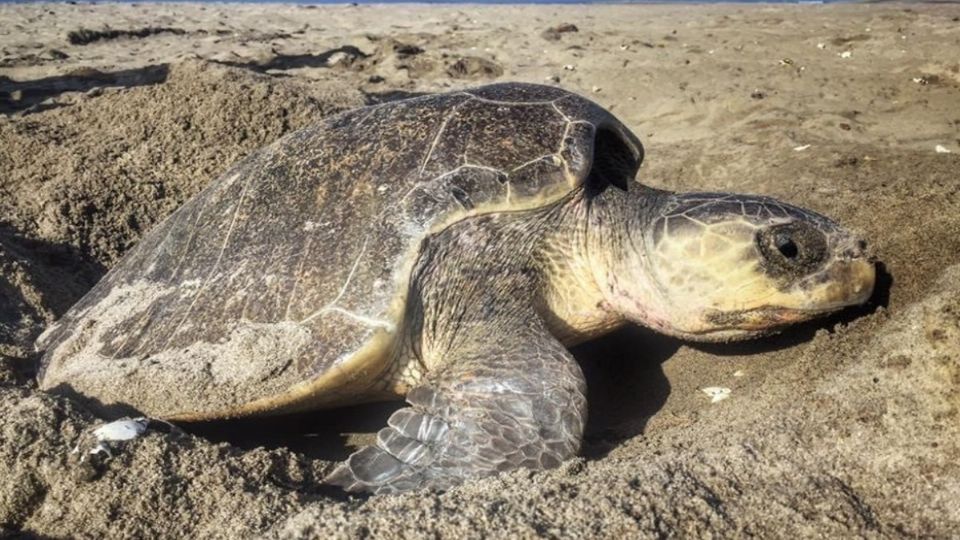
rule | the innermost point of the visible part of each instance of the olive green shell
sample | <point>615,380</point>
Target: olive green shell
<point>282,285</point>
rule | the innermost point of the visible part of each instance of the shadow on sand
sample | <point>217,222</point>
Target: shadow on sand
<point>346,54</point>
<point>31,96</point>
<point>37,276</point>
<point>618,410</point>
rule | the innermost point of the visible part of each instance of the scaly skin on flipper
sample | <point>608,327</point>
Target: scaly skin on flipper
<point>518,401</point>
<point>502,392</point>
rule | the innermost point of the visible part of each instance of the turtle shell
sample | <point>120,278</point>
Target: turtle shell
<point>282,285</point>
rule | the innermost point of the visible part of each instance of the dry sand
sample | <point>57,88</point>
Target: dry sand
<point>849,426</point>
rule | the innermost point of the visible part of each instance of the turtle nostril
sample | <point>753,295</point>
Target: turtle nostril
<point>857,250</point>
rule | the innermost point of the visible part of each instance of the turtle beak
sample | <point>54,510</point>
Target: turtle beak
<point>847,280</point>
<point>855,281</point>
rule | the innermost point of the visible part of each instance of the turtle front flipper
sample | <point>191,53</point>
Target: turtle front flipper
<point>516,402</point>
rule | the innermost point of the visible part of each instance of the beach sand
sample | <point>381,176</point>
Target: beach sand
<point>846,426</point>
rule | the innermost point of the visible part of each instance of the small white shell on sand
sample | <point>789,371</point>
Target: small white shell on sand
<point>121,430</point>
<point>716,393</point>
<point>845,54</point>
<point>821,46</point>
<point>941,149</point>
<point>739,373</point>
<point>801,148</point>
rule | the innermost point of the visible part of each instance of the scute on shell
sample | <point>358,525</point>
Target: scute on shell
<point>282,284</point>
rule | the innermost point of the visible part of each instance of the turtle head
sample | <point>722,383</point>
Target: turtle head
<point>719,267</point>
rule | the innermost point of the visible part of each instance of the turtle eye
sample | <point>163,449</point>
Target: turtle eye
<point>786,246</point>
<point>794,248</point>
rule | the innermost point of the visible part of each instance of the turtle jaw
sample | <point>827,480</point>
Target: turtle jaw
<point>761,308</point>
<point>716,325</point>
<point>746,301</point>
<point>724,326</point>
<point>846,281</point>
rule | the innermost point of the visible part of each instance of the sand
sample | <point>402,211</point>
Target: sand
<point>849,426</point>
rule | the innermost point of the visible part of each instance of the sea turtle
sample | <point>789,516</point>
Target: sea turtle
<point>446,248</point>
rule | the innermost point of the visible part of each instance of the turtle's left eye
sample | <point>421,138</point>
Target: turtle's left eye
<point>787,247</point>
<point>794,248</point>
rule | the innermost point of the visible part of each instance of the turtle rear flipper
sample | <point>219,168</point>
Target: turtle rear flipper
<point>517,402</point>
